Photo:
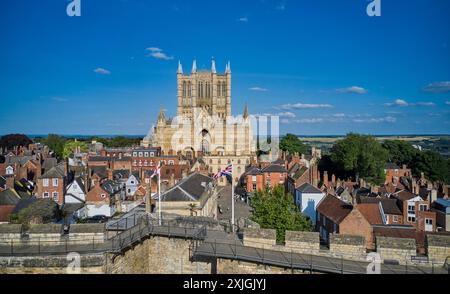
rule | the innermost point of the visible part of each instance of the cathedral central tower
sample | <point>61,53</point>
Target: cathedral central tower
<point>206,90</point>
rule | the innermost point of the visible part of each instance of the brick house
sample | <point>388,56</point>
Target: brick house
<point>390,212</point>
<point>331,211</point>
<point>52,184</point>
<point>416,211</point>
<point>360,221</point>
<point>257,179</point>
<point>394,173</point>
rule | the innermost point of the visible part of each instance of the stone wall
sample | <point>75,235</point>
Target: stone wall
<point>348,247</point>
<point>396,249</point>
<point>438,248</point>
<point>159,255</point>
<point>260,238</point>
<point>10,232</point>
<point>50,264</point>
<point>232,267</point>
<point>303,242</point>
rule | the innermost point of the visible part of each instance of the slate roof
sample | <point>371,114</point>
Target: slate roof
<point>253,171</point>
<point>99,158</point>
<point>100,171</point>
<point>308,188</point>
<point>80,183</point>
<point>297,171</point>
<point>18,159</point>
<point>2,181</point>
<point>274,168</point>
<point>121,174</point>
<point>9,197</point>
<point>190,189</point>
<point>334,209</point>
<point>389,205</point>
<point>112,187</point>
<point>54,172</point>
<point>391,165</point>
<point>49,163</point>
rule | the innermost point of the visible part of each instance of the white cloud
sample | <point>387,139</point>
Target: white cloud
<point>387,119</point>
<point>158,53</point>
<point>259,89</point>
<point>447,102</point>
<point>403,103</point>
<point>339,115</point>
<point>353,89</point>
<point>60,99</point>
<point>287,114</point>
<point>438,87</point>
<point>243,19</point>
<point>305,106</point>
<point>102,71</point>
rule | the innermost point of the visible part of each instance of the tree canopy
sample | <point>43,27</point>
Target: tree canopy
<point>70,146</point>
<point>56,144</point>
<point>362,156</point>
<point>14,140</point>
<point>293,144</point>
<point>433,165</point>
<point>41,211</point>
<point>274,209</point>
<point>400,152</point>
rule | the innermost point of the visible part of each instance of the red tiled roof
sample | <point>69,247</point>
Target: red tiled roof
<point>334,209</point>
<point>371,211</point>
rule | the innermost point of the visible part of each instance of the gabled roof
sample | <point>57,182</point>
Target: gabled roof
<point>404,195</point>
<point>334,209</point>
<point>121,174</point>
<point>54,172</point>
<point>112,187</point>
<point>389,205</point>
<point>100,171</point>
<point>371,212</point>
<point>9,197</point>
<point>190,189</point>
<point>297,171</point>
<point>80,183</point>
<point>49,163</point>
<point>253,171</point>
<point>308,188</point>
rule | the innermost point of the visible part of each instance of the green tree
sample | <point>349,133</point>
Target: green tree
<point>41,211</point>
<point>274,209</point>
<point>362,156</point>
<point>56,144</point>
<point>70,146</point>
<point>433,165</point>
<point>292,144</point>
<point>400,152</point>
<point>14,140</point>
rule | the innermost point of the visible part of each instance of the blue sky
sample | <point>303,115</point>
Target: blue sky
<point>324,66</point>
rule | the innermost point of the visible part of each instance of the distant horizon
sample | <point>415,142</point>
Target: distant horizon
<point>106,136</point>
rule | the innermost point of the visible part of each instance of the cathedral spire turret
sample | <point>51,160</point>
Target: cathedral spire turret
<point>228,68</point>
<point>194,67</point>
<point>162,115</point>
<point>246,114</point>
<point>213,66</point>
<point>180,68</point>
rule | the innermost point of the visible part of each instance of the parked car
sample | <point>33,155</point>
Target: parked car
<point>97,219</point>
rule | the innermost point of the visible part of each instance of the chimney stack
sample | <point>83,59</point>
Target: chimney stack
<point>325,178</point>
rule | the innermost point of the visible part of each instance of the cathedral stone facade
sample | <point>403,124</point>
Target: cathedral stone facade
<point>204,126</point>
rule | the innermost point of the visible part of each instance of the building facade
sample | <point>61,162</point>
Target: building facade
<point>204,126</point>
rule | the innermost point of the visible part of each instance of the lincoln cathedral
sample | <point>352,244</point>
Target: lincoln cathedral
<point>204,126</point>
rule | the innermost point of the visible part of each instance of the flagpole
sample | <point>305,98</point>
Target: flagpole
<point>232,196</point>
<point>159,198</point>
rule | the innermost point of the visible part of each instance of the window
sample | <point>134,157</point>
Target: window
<point>132,182</point>
<point>423,207</point>
<point>429,221</point>
<point>75,186</point>
<point>145,163</point>
<point>45,182</point>
<point>411,209</point>
<point>152,163</point>
<point>55,182</point>
<point>152,154</point>
<point>55,196</point>
<point>146,154</point>
<point>171,162</point>
<point>140,154</point>
<point>46,195</point>
<point>254,186</point>
<point>134,154</point>
<point>395,218</point>
<point>103,196</point>
<point>9,170</point>
<point>411,219</point>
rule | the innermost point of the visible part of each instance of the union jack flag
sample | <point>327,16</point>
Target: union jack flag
<point>157,171</point>
<point>228,171</point>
